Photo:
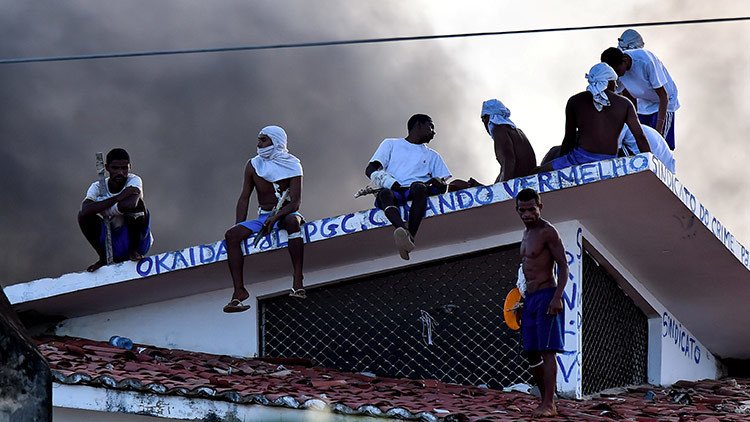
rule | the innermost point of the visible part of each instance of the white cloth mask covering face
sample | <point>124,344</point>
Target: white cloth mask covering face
<point>274,162</point>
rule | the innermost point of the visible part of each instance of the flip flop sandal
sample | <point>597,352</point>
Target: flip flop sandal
<point>235,305</point>
<point>298,293</point>
<point>403,242</point>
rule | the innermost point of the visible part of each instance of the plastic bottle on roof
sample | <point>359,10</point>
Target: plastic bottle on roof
<point>121,342</point>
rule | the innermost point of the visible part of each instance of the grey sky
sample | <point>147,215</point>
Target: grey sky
<point>190,122</point>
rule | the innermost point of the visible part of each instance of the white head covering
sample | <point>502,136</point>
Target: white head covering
<point>499,114</point>
<point>281,164</point>
<point>629,40</point>
<point>599,77</point>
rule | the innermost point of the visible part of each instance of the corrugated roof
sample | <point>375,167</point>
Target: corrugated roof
<point>296,385</point>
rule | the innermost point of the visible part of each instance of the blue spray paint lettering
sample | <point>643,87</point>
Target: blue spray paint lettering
<point>443,203</point>
<point>203,257</point>
<point>588,173</point>
<point>160,264</point>
<point>343,224</point>
<point>328,230</point>
<point>544,184</point>
<point>140,269</point>
<point>490,195</point>
<point>178,258</point>
<point>463,194</point>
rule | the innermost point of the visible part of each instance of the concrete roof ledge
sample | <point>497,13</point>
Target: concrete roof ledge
<point>667,245</point>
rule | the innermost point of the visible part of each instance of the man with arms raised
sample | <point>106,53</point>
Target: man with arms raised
<point>120,202</point>
<point>593,120</point>
<point>407,169</point>
<point>272,172</point>
<point>513,150</point>
<point>542,315</point>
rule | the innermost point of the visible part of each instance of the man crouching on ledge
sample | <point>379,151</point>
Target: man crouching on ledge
<point>542,315</point>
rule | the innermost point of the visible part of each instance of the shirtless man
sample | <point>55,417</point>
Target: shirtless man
<point>123,205</point>
<point>271,172</point>
<point>593,120</point>
<point>513,150</point>
<point>541,318</point>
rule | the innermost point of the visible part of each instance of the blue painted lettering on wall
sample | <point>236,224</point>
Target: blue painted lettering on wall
<point>567,370</point>
<point>672,329</point>
<point>442,204</point>
<point>700,211</point>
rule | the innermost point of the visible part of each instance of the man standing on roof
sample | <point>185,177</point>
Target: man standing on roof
<point>272,173</point>
<point>593,120</point>
<point>643,78</point>
<point>542,314</point>
<point>123,204</point>
<point>513,150</point>
<point>407,169</point>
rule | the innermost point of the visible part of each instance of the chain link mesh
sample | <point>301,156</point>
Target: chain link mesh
<point>385,323</point>
<point>615,333</point>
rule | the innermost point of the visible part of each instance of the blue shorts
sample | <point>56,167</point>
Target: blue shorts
<point>255,225</point>
<point>651,119</point>
<point>540,331</point>
<point>577,157</point>
<point>402,195</point>
<point>121,239</point>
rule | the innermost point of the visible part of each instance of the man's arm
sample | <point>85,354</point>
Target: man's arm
<point>634,125</point>
<point>371,167</point>
<point>504,149</point>
<point>558,254</point>
<point>247,189</point>
<point>124,199</point>
<point>661,117</point>
<point>569,141</point>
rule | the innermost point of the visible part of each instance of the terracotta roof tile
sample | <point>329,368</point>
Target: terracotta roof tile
<point>295,383</point>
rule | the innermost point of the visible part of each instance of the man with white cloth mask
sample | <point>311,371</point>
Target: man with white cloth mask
<point>271,173</point>
<point>593,120</point>
<point>513,150</point>
<point>408,170</point>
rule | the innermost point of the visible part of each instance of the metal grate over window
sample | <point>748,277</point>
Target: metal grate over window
<point>440,320</point>
<point>615,333</point>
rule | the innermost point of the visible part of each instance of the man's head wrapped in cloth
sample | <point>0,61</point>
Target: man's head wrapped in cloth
<point>629,40</point>
<point>599,77</point>
<point>494,112</point>
<point>274,162</point>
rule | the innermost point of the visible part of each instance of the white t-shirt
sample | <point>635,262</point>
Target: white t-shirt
<point>656,142</point>
<point>96,195</point>
<point>646,74</point>
<point>409,163</point>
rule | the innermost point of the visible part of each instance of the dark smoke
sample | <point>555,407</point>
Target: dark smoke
<point>190,122</point>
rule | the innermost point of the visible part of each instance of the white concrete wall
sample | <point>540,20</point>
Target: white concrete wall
<point>673,352</point>
<point>569,363</point>
<point>73,403</point>
<point>198,323</point>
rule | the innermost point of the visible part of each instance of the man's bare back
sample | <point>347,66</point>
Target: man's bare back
<point>513,151</point>
<point>597,130</point>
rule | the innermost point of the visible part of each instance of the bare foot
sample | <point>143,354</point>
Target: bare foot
<point>544,411</point>
<point>96,265</point>
<point>135,256</point>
